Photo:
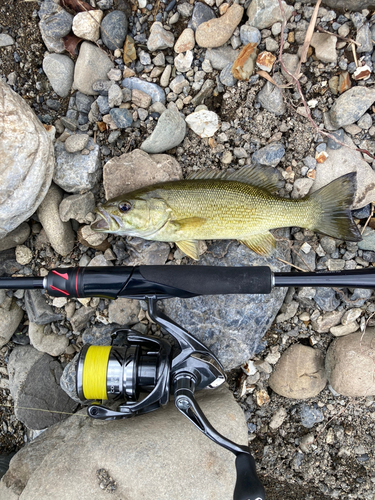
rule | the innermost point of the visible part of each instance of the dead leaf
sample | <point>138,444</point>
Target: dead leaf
<point>76,5</point>
<point>71,43</point>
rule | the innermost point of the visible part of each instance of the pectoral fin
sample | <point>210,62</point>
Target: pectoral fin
<point>190,247</point>
<point>262,243</point>
<point>190,223</point>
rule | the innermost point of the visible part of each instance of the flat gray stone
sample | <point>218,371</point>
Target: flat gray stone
<point>169,132</point>
<point>350,106</point>
<point>76,142</point>
<point>159,38</point>
<point>77,207</point>
<point>5,40</point>
<point>27,160</point>
<point>60,234</point>
<point>38,311</point>
<point>34,383</point>
<point>52,344</point>
<point>75,172</point>
<point>92,64</point>
<point>232,326</point>
<point>350,363</point>
<point>59,70</point>
<point>221,57</point>
<point>114,28</point>
<point>131,171</point>
<point>176,458</point>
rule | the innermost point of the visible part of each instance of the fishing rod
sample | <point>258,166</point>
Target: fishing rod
<point>139,373</point>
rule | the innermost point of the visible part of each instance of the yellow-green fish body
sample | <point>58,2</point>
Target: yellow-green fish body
<point>238,206</point>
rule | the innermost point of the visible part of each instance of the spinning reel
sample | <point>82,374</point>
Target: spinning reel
<point>138,364</point>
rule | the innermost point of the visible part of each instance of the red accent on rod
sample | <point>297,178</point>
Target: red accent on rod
<point>58,289</point>
<point>65,275</point>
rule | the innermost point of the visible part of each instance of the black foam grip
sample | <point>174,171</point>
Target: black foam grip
<point>248,486</point>
<point>211,280</point>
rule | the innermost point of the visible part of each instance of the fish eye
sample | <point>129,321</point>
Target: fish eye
<point>124,206</point>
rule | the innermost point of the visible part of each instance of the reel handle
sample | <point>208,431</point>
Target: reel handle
<point>248,485</point>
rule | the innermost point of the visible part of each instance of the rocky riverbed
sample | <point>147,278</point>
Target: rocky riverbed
<point>102,98</point>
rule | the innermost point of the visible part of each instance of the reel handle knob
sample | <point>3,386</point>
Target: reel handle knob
<point>248,485</point>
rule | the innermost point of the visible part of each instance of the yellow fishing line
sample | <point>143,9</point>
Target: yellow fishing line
<point>94,376</point>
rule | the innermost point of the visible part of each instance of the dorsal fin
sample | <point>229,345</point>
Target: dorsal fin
<point>263,177</point>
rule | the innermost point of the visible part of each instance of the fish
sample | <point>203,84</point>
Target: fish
<point>240,205</point>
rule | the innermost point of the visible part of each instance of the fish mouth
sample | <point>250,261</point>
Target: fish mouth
<point>105,222</point>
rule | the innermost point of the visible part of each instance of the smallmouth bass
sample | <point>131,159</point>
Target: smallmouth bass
<point>239,205</point>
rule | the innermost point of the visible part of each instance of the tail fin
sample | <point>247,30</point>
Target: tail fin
<point>333,202</point>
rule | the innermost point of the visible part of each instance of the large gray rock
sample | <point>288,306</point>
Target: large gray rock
<point>26,160</point>
<point>342,161</point>
<point>157,456</point>
<point>137,169</point>
<point>38,311</point>
<point>34,383</point>
<point>92,64</point>
<point>75,172</point>
<point>350,364</point>
<point>346,5</point>
<point>264,13</point>
<point>15,237</point>
<point>168,133</point>
<point>232,326</point>
<point>52,344</point>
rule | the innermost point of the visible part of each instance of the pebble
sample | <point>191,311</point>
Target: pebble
<point>76,142</point>
<point>123,118</point>
<point>226,76</point>
<point>77,207</point>
<point>92,64</point>
<point>74,172</point>
<point>86,24</point>
<point>201,14</point>
<point>169,132</point>
<point>364,39</point>
<point>325,47</point>
<point>157,93</point>
<point>114,74</point>
<point>59,70</point>
<point>249,34</point>
<point>301,187</point>
<point>59,233</point>
<point>55,23</point>
<point>269,155</point>
<point>299,373</point>
<point>310,416</point>
<point>365,122</point>
<point>349,361</point>
<point>271,98</point>
<point>341,330</point>
<point>103,104</point>
<point>185,41</point>
<point>291,62</point>
<point>23,255</point>
<point>114,29</point>
<point>265,61</point>
<point>362,213</point>
<point>218,31</point>
<point>203,123</point>
<point>178,84</point>
<point>141,99</point>
<point>351,106</point>
<point>10,317</point>
<point>264,13</point>
<point>159,38</point>
<point>114,96</point>
<point>339,135</point>
<point>5,40</point>
<point>183,62</point>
